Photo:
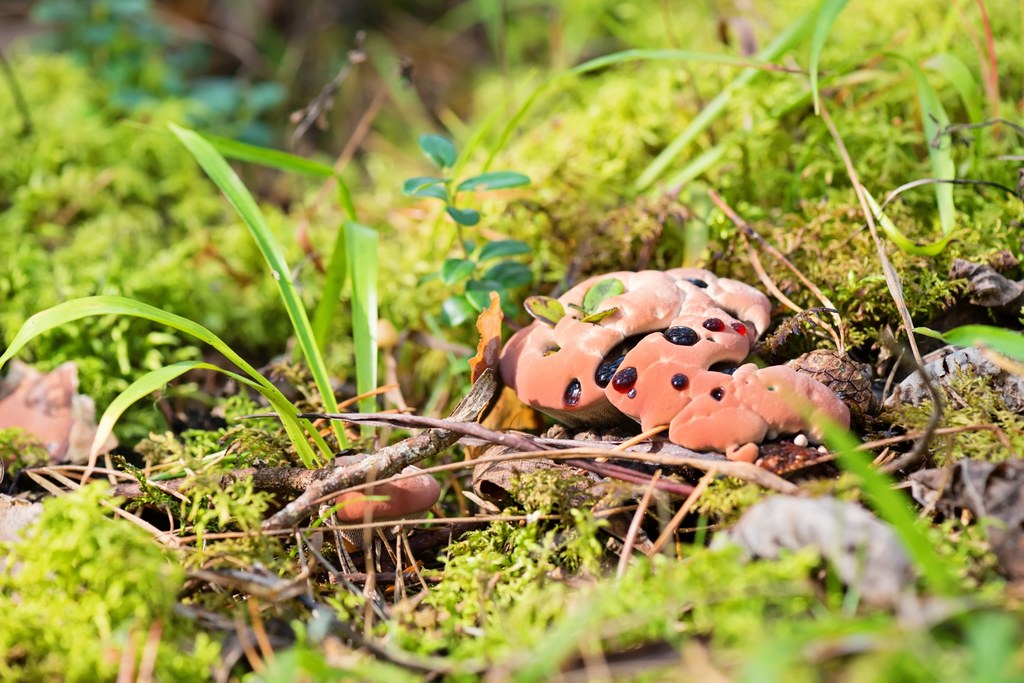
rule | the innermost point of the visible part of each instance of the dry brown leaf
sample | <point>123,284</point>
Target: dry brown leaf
<point>994,491</point>
<point>488,349</point>
<point>49,407</point>
<point>866,553</point>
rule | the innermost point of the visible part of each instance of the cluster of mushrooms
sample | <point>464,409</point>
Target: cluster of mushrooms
<point>664,348</point>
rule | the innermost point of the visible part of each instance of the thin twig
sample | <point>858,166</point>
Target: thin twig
<point>634,527</point>
<point>673,524</point>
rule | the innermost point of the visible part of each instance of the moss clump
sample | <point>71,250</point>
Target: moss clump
<point>90,204</point>
<point>82,594</point>
<point>999,432</point>
<point>19,449</point>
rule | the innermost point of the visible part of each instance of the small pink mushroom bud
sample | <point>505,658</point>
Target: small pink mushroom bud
<point>405,498</point>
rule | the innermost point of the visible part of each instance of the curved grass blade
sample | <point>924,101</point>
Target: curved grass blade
<point>230,184</point>
<point>904,243</point>
<point>960,76</point>
<point>76,309</point>
<point>274,158</point>
<point>789,37</point>
<point>157,379</point>
<point>827,15</point>
<point>1006,342</point>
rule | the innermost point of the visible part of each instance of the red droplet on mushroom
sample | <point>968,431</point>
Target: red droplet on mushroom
<point>717,393</point>
<point>624,380</point>
<point>572,393</point>
<point>714,325</point>
<point>740,327</point>
<point>679,381</point>
<point>682,336</point>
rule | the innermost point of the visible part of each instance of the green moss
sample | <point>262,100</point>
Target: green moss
<point>81,588</point>
<point>998,432</point>
<point>90,204</point>
<point>19,449</point>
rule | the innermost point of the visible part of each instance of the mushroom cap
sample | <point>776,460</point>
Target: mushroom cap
<point>405,498</point>
<point>554,369</point>
<point>752,404</point>
<point>657,361</point>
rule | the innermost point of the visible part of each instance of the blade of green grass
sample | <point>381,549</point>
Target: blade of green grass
<point>361,250</point>
<point>699,164</point>
<point>334,281</point>
<point>789,37</point>
<point>934,119</point>
<point>754,65</point>
<point>282,161</point>
<point>274,158</point>
<point>229,183</point>
<point>890,506</point>
<point>76,309</point>
<point>157,379</point>
<point>1006,342</point>
<point>904,243</point>
<point>828,12</point>
<point>960,76</point>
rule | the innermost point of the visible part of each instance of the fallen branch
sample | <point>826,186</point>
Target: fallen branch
<point>388,460</point>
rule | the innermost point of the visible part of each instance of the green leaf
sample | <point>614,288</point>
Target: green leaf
<point>503,248</point>
<point>230,184</point>
<point>468,217</point>
<point>361,248</point>
<point>423,186</point>
<point>411,185</point>
<point>828,11</point>
<point>456,310</point>
<point>545,309</point>
<point>495,180</point>
<point>904,243</point>
<point>438,149</point>
<point>478,293</point>
<point>1006,342</point>
<point>599,315</point>
<point>86,307</point>
<point>510,274</point>
<point>600,291</point>
<point>456,269</point>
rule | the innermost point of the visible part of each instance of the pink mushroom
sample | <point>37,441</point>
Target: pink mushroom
<point>405,498</point>
<point>670,354</point>
<point>564,370</point>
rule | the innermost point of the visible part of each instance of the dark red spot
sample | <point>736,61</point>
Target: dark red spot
<point>624,379</point>
<point>571,397</point>
<point>632,393</point>
<point>696,282</point>
<point>717,393</point>
<point>682,336</point>
<point>714,325</point>
<point>679,381</point>
<point>740,327</point>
